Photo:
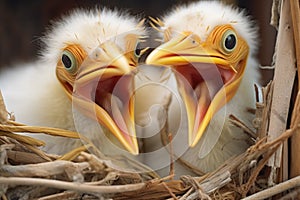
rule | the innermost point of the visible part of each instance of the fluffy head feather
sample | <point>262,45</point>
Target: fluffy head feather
<point>201,17</point>
<point>89,29</point>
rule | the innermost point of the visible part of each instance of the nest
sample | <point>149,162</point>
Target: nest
<point>269,168</point>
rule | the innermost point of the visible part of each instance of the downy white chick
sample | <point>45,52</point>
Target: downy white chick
<point>210,48</point>
<point>83,82</point>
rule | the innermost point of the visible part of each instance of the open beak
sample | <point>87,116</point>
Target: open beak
<point>207,79</point>
<point>103,90</point>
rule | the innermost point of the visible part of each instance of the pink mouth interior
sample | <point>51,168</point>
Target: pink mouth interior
<point>113,95</point>
<point>202,80</point>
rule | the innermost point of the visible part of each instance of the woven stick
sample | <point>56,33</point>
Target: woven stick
<point>41,170</point>
<point>267,193</point>
<point>284,77</point>
<point>63,195</point>
<point>295,140</point>
<point>91,189</point>
<point>295,156</point>
<point>295,12</point>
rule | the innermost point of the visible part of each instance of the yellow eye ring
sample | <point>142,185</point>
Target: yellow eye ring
<point>229,41</point>
<point>69,61</point>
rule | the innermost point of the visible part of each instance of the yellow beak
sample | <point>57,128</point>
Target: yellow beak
<point>103,91</point>
<point>207,79</point>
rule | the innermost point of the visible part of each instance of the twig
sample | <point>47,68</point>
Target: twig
<point>275,13</point>
<point>295,148</point>
<point>166,178</point>
<point>237,122</point>
<point>91,189</point>
<point>3,153</point>
<point>254,174</point>
<point>110,177</point>
<point>288,133</point>
<point>63,195</point>
<point>186,194</point>
<point>281,187</point>
<point>95,162</point>
<point>24,157</point>
<point>291,195</point>
<point>172,169</point>
<point>295,12</point>
<point>284,76</point>
<point>40,169</point>
<point>170,191</point>
<point>38,152</point>
<point>295,157</point>
<point>267,96</point>
<point>215,182</point>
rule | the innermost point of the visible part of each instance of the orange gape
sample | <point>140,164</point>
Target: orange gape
<point>96,82</point>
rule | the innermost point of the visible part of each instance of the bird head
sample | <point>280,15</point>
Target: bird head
<point>207,45</point>
<point>95,54</point>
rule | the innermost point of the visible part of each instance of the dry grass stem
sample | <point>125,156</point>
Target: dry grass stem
<point>46,130</point>
<point>281,187</point>
<point>84,188</point>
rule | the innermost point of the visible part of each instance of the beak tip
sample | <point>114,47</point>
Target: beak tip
<point>134,151</point>
<point>132,147</point>
<point>192,143</point>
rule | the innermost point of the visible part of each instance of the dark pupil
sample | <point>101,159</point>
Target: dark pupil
<point>230,41</point>
<point>66,61</point>
<point>137,50</point>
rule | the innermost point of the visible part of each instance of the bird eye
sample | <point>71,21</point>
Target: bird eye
<point>229,41</point>
<point>69,61</point>
<point>137,50</point>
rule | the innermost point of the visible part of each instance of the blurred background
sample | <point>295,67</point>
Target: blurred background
<point>22,23</point>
